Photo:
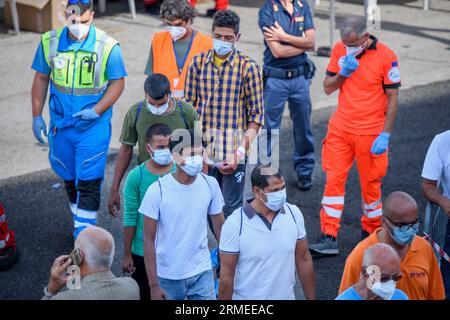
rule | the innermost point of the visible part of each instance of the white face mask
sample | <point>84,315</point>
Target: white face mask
<point>177,32</point>
<point>193,165</point>
<point>222,48</point>
<point>162,157</point>
<point>158,110</point>
<point>79,30</point>
<point>275,200</point>
<point>384,290</point>
<point>355,51</point>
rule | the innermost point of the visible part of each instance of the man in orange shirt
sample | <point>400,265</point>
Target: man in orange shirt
<point>366,74</point>
<point>172,50</point>
<point>421,278</point>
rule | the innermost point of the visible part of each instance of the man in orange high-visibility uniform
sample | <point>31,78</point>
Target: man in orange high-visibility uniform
<point>172,50</point>
<point>367,75</point>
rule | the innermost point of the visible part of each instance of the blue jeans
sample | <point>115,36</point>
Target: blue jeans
<point>199,287</point>
<point>296,92</point>
<point>445,266</point>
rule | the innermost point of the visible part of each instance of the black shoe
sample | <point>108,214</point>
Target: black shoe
<point>154,9</point>
<point>364,234</point>
<point>211,12</point>
<point>326,245</point>
<point>304,183</point>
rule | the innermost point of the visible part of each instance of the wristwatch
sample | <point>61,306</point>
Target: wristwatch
<point>47,294</point>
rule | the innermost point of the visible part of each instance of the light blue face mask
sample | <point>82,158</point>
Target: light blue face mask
<point>162,157</point>
<point>193,165</point>
<point>403,235</point>
<point>222,48</point>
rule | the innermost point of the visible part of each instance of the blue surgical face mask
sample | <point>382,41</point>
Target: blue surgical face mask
<point>275,200</point>
<point>162,157</point>
<point>403,235</point>
<point>193,165</point>
<point>222,48</point>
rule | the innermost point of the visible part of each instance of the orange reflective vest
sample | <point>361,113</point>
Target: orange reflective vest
<point>175,68</point>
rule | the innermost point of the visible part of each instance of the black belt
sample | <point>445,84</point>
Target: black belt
<point>283,73</point>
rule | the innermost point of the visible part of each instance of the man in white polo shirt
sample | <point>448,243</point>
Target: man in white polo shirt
<point>263,242</point>
<point>175,207</point>
<point>437,169</point>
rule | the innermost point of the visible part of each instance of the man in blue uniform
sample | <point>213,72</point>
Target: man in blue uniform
<point>85,70</point>
<point>288,33</point>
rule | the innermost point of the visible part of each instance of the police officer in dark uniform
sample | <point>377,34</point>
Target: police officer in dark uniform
<point>288,33</point>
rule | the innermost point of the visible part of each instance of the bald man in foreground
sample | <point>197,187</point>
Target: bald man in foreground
<point>422,279</point>
<point>380,272</point>
<point>94,250</point>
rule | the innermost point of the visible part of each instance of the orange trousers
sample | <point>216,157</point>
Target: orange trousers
<point>220,4</point>
<point>340,149</point>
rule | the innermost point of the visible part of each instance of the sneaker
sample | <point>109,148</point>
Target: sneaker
<point>326,245</point>
<point>304,183</point>
<point>364,234</point>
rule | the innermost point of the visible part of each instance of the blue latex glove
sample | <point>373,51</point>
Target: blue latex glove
<point>380,144</point>
<point>86,114</point>
<point>38,126</point>
<point>349,65</point>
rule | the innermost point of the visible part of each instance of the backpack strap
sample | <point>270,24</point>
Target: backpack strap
<point>138,111</point>
<point>160,193</point>
<point>210,191</point>
<point>183,116</point>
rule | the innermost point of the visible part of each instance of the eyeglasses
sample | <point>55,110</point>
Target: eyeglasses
<point>404,226</point>
<point>85,2</point>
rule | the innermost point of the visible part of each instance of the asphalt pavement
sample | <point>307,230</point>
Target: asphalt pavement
<point>37,210</point>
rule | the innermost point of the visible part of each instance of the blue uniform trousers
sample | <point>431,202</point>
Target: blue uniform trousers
<point>295,91</point>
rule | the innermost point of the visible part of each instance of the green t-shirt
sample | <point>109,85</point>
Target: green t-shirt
<point>180,46</point>
<point>135,131</point>
<point>136,184</point>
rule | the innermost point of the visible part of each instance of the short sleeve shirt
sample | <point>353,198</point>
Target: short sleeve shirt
<point>362,102</point>
<point>263,247</point>
<point>115,66</point>
<point>181,211</point>
<point>437,162</point>
<point>136,124</point>
<point>295,24</point>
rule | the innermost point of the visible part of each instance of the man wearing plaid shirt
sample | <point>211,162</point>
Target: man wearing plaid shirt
<point>226,87</point>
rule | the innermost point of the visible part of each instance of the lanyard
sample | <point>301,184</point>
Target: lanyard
<point>181,65</point>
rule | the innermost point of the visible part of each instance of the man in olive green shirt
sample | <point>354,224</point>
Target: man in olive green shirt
<point>136,185</point>
<point>157,107</point>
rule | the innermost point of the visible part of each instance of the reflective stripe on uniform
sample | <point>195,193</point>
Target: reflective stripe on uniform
<point>99,65</point>
<point>2,218</point>
<point>373,214</point>
<point>80,91</point>
<point>53,47</point>
<point>373,205</point>
<point>333,200</point>
<point>335,213</point>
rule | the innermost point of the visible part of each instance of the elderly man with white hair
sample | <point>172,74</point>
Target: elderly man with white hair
<point>92,257</point>
<point>380,272</point>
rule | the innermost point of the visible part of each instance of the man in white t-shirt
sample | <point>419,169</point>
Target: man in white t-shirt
<point>263,242</point>
<point>175,207</point>
<point>436,170</point>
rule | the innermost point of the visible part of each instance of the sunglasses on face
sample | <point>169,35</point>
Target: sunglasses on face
<point>404,226</point>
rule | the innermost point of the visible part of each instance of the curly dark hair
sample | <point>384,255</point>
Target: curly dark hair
<point>227,19</point>
<point>177,9</point>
